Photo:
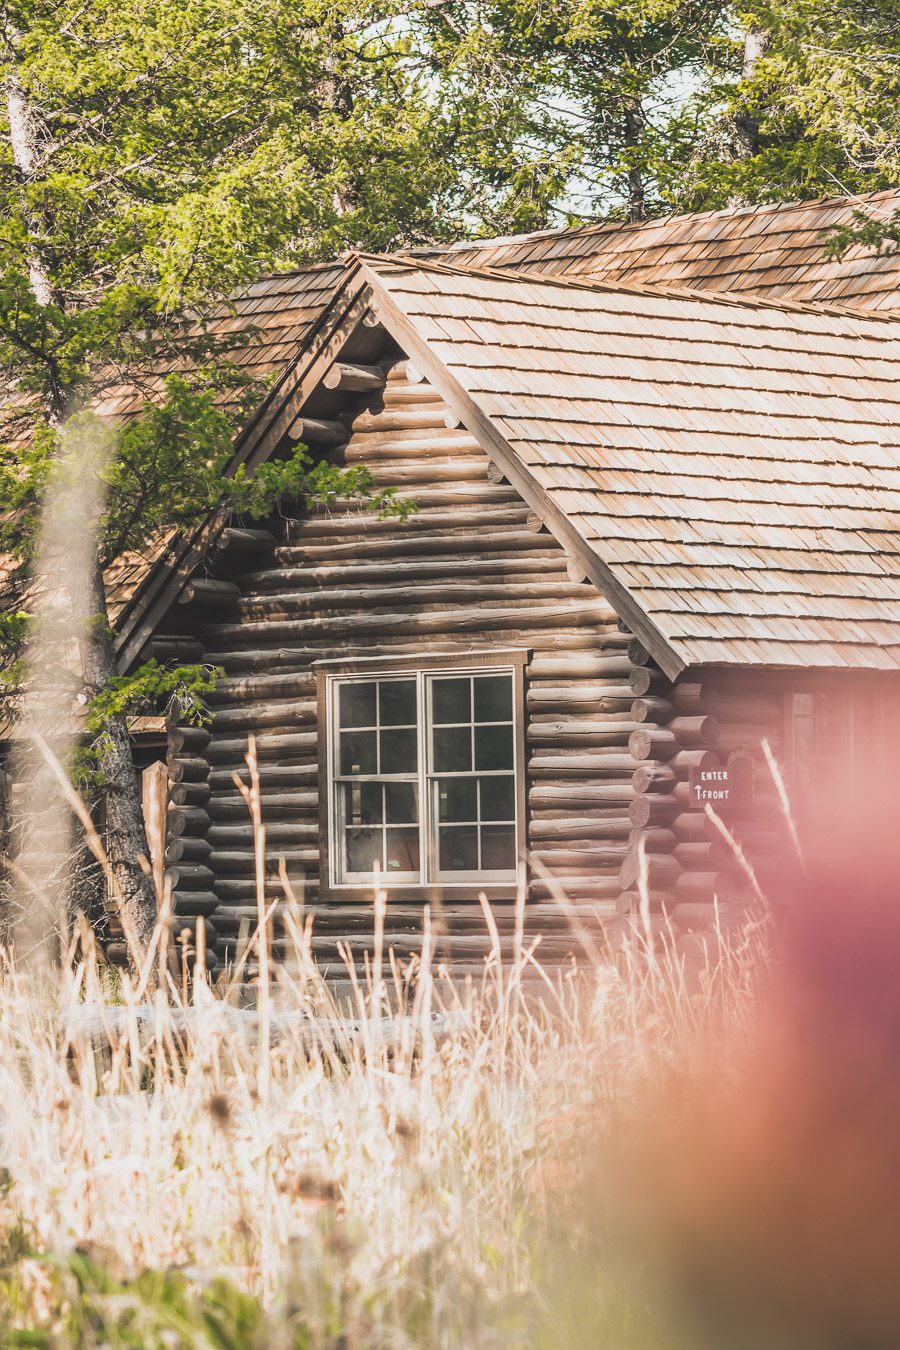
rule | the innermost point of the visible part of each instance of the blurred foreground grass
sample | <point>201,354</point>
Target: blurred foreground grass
<point>436,1183</point>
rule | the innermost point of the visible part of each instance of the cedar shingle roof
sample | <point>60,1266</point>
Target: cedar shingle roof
<point>735,468</point>
<point>774,251</point>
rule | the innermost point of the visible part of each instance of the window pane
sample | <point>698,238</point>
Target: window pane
<point>358,752</point>
<point>397,703</point>
<point>457,799</point>
<point>498,798</point>
<point>362,803</point>
<point>493,698</point>
<point>498,848</point>
<point>493,747</point>
<point>452,749</point>
<point>401,807</point>
<point>363,849</point>
<point>452,700</point>
<point>458,848</point>
<point>398,751</point>
<point>357,704</point>
<point>402,850</point>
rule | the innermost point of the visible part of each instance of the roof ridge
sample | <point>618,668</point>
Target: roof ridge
<point>601,226</point>
<point>734,299</point>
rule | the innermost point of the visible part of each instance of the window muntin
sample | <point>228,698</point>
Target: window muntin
<point>472,774</point>
<point>423,777</point>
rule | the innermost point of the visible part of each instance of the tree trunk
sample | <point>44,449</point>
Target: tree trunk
<point>633,136</point>
<point>24,126</point>
<point>126,841</point>
<point>746,123</point>
<point>126,837</point>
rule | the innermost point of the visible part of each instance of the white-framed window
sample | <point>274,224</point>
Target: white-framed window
<point>424,776</point>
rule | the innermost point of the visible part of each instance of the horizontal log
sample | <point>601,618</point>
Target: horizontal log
<point>693,826</point>
<point>405,372</point>
<point>173,649</point>
<point>188,769</point>
<point>579,889</point>
<point>278,713</point>
<point>585,859</point>
<point>418,473</point>
<point>638,653</point>
<point>387,446</point>
<point>655,840</point>
<point>687,761</point>
<point>404,396</point>
<point>650,777</point>
<point>194,902</point>
<point>571,732</point>
<point>652,809</point>
<point>611,764</point>
<point>418,418</point>
<point>652,743</point>
<point>187,849</point>
<point>652,708</point>
<point>543,828</point>
<point>188,794</point>
<point>705,886</point>
<point>689,698</point>
<point>249,689</point>
<point>703,856</point>
<point>238,539</point>
<point>578,796</point>
<point>463,531</point>
<point>521,614</point>
<point>301,744</point>
<point>450,591</point>
<point>190,739</point>
<point>662,870</point>
<point>277,833</point>
<point>696,731</point>
<point>190,820</point>
<point>318,431</point>
<point>274,805</point>
<point>353,379</point>
<point>586,667</point>
<point>271,775</point>
<point>228,861</point>
<point>209,591</point>
<point>241,662</point>
<point>646,680</point>
<point>361,571</point>
<point>633,901</point>
<point>190,877</point>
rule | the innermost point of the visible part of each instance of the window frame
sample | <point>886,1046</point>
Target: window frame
<point>329,675</point>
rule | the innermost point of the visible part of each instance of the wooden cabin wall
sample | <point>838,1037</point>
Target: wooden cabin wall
<point>471,570</point>
<point>705,720</point>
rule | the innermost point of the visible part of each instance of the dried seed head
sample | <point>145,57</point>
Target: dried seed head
<point>219,1108</point>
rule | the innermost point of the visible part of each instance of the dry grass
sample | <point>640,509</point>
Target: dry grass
<point>374,1183</point>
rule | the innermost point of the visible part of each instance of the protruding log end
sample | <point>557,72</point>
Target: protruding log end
<point>353,379</point>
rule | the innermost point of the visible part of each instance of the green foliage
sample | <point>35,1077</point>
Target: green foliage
<point>151,688</point>
<point>824,95</point>
<point>881,235</point>
<point>153,1311</point>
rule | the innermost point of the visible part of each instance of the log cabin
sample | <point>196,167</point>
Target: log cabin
<point>654,564</point>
